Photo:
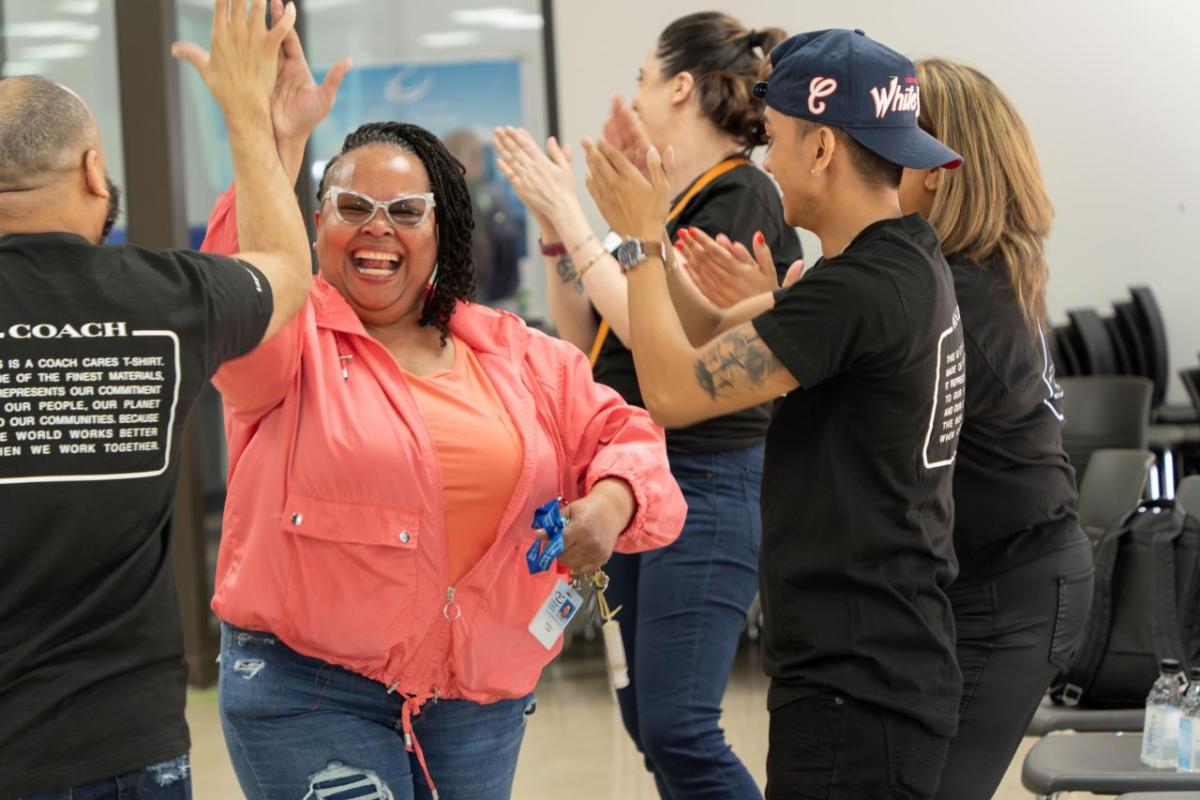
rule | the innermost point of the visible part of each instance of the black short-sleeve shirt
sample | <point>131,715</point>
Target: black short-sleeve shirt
<point>102,351</point>
<point>1012,477</point>
<point>739,203</point>
<point>857,505</point>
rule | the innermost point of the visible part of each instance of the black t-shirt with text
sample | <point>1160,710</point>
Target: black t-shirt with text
<point>102,352</point>
<point>737,204</point>
<point>1012,475</point>
<point>857,504</point>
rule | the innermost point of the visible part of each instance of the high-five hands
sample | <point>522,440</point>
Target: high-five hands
<point>299,102</point>
<point>242,67</point>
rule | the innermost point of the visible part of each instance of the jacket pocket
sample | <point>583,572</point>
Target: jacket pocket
<point>352,581</point>
<point>497,656</point>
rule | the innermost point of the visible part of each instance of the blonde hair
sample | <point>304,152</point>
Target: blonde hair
<point>995,205</point>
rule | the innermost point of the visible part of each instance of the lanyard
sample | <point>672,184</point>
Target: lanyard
<point>698,186</point>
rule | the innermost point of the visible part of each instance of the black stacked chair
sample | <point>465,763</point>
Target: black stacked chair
<point>1191,382</point>
<point>1092,343</point>
<point>1154,335</point>
<point>1126,323</point>
<point>1066,360</point>
<point>1104,412</point>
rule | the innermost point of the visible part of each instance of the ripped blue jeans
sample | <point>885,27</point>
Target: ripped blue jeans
<point>302,729</point>
<point>170,780</point>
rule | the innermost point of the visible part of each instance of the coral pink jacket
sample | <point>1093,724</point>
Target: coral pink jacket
<point>333,537</point>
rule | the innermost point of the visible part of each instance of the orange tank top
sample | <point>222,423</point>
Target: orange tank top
<point>479,450</point>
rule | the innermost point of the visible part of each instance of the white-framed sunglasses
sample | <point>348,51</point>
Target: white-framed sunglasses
<point>356,208</point>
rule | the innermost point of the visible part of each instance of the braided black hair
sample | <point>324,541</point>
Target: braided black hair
<point>455,279</point>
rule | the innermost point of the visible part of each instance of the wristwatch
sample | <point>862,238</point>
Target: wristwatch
<point>632,252</point>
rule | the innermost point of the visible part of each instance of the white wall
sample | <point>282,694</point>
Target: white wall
<point>1110,91</point>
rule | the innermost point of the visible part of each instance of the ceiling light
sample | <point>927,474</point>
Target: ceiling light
<point>451,39</point>
<point>69,30</point>
<point>52,52</point>
<point>14,68</point>
<point>81,7</point>
<point>502,17</point>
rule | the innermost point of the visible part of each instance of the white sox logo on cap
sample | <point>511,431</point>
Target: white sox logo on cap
<point>817,88</point>
<point>892,98</point>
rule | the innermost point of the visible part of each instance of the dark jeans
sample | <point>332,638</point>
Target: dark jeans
<point>298,727</point>
<point>826,746</point>
<point>1016,630</point>
<point>170,780</point>
<point>685,607</point>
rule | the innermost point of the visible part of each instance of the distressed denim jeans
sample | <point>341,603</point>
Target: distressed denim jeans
<point>170,780</point>
<point>299,728</point>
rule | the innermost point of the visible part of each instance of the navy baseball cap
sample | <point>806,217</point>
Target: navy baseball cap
<point>845,79</point>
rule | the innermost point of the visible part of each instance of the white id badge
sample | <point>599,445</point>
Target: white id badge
<point>558,610</point>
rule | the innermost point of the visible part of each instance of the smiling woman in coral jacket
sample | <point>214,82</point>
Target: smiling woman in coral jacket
<point>387,450</point>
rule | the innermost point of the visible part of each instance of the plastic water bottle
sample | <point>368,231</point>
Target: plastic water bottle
<point>1160,733</point>
<point>1189,725</point>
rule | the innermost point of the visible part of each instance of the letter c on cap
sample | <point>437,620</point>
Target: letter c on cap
<point>817,88</point>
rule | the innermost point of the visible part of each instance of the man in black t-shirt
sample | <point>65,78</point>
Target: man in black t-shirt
<point>867,351</point>
<point>102,351</point>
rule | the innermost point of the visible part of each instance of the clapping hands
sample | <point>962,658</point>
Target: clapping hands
<point>726,272</point>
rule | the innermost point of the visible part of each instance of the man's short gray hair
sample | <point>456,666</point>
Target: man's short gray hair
<point>43,127</point>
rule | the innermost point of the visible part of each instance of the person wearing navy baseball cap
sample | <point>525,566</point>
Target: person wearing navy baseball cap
<point>867,351</point>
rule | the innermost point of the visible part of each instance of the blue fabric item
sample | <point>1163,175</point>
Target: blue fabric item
<point>541,554</point>
<point>300,727</point>
<point>684,609</point>
<point>845,79</point>
<point>170,780</point>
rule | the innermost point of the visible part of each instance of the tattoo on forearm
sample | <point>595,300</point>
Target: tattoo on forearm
<point>735,360</point>
<point>567,272</point>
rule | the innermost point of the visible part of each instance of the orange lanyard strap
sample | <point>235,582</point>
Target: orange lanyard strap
<point>703,181</point>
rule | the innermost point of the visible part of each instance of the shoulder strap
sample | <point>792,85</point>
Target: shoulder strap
<point>1078,677</point>
<point>731,163</point>
<point>1164,620</point>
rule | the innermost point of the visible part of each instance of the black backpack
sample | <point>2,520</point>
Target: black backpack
<point>1145,607</point>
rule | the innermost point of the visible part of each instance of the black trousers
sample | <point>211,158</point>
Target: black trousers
<point>1016,630</point>
<point>827,746</point>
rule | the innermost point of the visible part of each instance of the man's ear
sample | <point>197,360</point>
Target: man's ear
<point>682,86</point>
<point>826,144</point>
<point>94,175</point>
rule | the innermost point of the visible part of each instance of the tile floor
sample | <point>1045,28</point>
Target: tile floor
<point>578,720</point>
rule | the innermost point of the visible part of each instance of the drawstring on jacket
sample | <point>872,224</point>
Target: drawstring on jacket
<point>412,705</point>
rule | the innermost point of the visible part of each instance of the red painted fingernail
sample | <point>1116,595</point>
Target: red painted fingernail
<point>683,233</point>
<point>678,245</point>
<point>758,237</point>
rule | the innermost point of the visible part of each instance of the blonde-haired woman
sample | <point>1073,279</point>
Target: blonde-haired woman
<point>1025,580</point>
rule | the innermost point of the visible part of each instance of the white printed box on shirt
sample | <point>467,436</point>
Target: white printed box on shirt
<point>556,613</point>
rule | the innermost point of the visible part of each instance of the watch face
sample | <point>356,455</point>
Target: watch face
<point>630,254</point>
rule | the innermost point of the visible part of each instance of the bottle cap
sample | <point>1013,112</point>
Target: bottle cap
<point>1171,665</point>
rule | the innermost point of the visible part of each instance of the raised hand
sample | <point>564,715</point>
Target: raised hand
<point>243,65</point>
<point>300,103</point>
<point>624,131</point>
<point>633,204</point>
<point>724,270</point>
<point>543,181</point>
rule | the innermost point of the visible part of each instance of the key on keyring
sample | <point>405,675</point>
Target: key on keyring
<point>614,647</point>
